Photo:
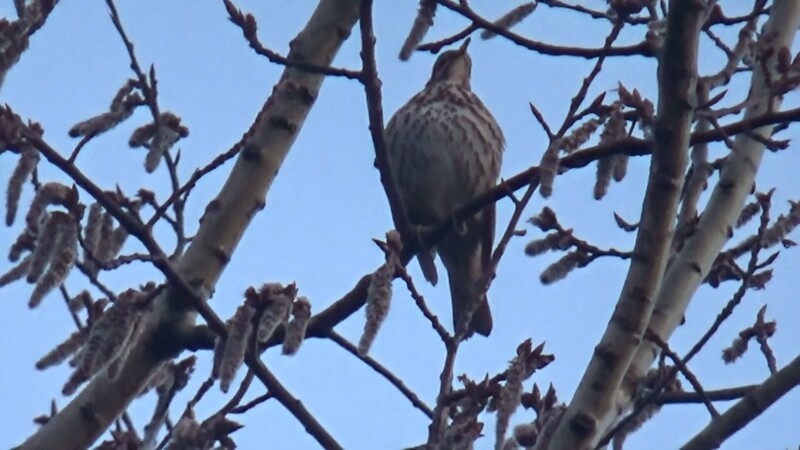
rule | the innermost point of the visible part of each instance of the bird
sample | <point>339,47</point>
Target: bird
<point>444,148</point>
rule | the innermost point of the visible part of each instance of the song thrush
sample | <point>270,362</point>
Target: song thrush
<point>444,149</point>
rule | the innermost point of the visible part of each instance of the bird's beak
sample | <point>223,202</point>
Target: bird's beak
<point>463,48</point>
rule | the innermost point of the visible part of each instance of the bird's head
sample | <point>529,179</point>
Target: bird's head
<point>453,66</point>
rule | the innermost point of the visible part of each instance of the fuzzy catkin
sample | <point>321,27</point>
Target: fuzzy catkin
<point>17,272</point>
<point>579,136</point>
<point>219,351</point>
<point>122,106</point>
<point>64,254</point>
<point>510,397</point>
<point>239,329</point>
<point>106,338</point>
<point>379,297</point>
<point>91,234</point>
<point>48,194</point>
<point>121,355</point>
<point>551,241</point>
<point>45,244</point>
<point>548,169</point>
<point>296,329</point>
<point>25,241</point>
<point>63,350</point>
<point>510,19</point>
<point>561,268</point>
<point>25,165</point>
<point>274,315</point>
<point>422,23</point>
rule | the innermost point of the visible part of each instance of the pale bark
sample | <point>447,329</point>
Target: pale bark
<point>677,71</point>
<point>265,147</point>
<point>694,261</point>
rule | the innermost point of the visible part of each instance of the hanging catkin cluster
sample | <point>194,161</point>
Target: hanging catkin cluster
<point>188,434</point>
<point>158,138</point>
<point>239,327</point>
<point>28,159</point>
<point>501,394</point>
<point>510,19</point>
<point>278,304</point>
<point>102,240</point>
<point>649,382</point>
<point>15,35</point>
<point>611,166</point>
<point>561,268</point>
<point>50,237</point>
<point>748,212</point>
<point>521,367</point>
<point>461,433</point>
<point>170,377</point>
<point>265,309</point>
<point>538,433</point>
<point>560,239</point>
<point>550,162</point>
<point>464,428</point>
<point>64,350</point>
<point>122,107</point>
<point>296,328</point>
<point>107,342</point>
<point>773,235</point>
<point>379,292</point>
<point>422,23</point>
<point>760,331</point>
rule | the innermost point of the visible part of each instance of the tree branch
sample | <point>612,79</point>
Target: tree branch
<point>264,149</point>
<point>693,263</point>
<point>643,48</point>
<point>677,72</point>
<point>748,408</point>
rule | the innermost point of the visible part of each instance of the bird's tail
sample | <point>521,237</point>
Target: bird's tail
<point>471,312</point>
<point>428,266</point>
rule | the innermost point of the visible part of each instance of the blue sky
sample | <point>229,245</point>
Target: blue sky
<point>327,204</point>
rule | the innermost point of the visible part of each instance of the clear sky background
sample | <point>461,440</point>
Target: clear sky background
<point>327,203</point>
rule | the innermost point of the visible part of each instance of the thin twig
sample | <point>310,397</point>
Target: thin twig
<point>177,206</point>
<point>643,48</point>
<point>718,395</point>
<point>440,413</point>
<point>372,90</point>
<point>148,90</point>
<point>519,207</point>
<point>437,46</point>
<point>684,370</point>
<point>291,403</point>
<point>423,307</point>
<point>578,99</point>
<point>186,189</point>
<point>250,31</point>
<point>239,395</point>
<point>383,371</point>
<point>135,227</point>
<point>252,403</point>
<point>721,317</point>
